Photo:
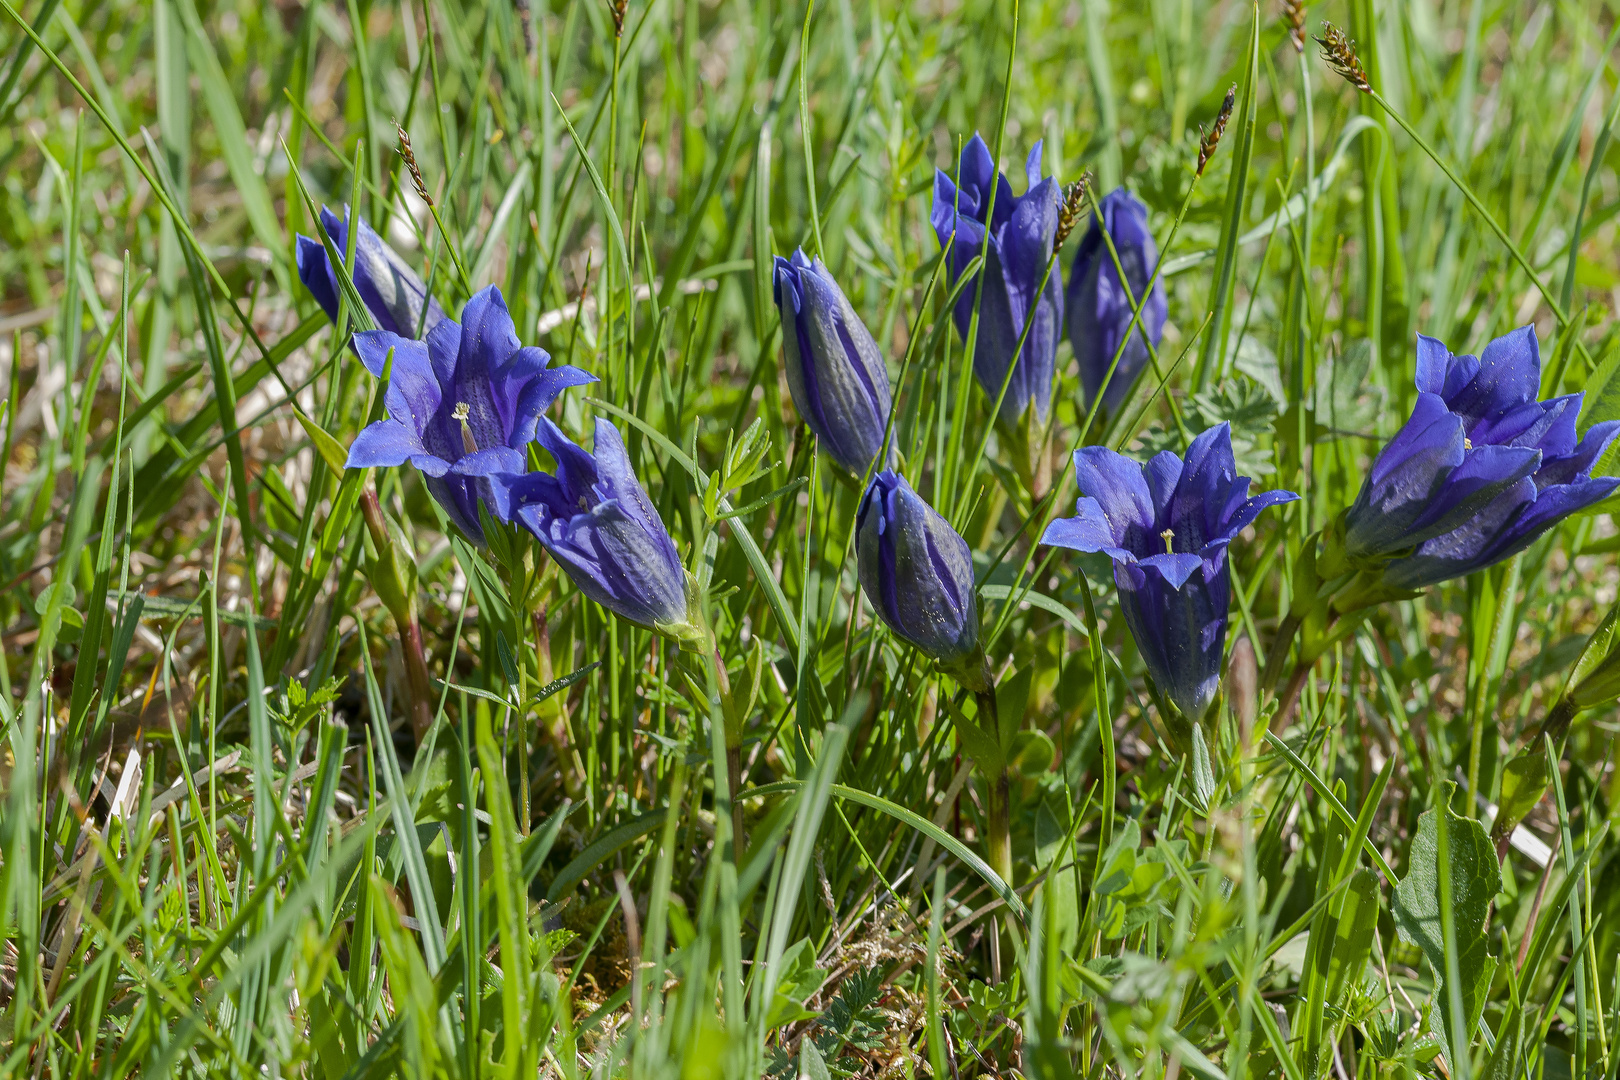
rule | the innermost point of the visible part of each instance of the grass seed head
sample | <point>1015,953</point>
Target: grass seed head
<point>1074,203</point>
<point>1212,138</point>
<point>1340,53</point>
<point>1294,14</point>
<point>409,155</point>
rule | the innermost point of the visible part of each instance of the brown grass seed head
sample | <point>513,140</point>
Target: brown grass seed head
<point>1074,203</point>
<point>1294,13</point>
<point>1340,53</point>
<point>409,155</point>
<point>1212,138</point>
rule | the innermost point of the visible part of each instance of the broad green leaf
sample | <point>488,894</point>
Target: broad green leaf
<point>1476,878</point>
<point>1524,782</point>
<point>976,743</point>
<point>1012,698</point>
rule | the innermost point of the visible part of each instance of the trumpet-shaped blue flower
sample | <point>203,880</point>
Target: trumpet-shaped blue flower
<point>1019,248</point>
<point>1099,307</point>
<point>594,518</point>
<point>918,574</point>
<point>1166,525</point>
<point>393,294</point>
<point>462,405</point>
<point>834,369</point>
<point>1479,471</point>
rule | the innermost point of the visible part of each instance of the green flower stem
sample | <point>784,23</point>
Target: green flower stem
<point>700,637</point>
<point>998,815</point>
<point>402,607</point>
<point>733,736</point>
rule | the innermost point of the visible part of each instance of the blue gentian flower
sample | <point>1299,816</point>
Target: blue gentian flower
<point>1020,246</point>
<point>1166,525</point>
<point>1479,471</point>
<point>594,518</point>
<point>918,574</point>
<point>462,405</point>
<point>1099,308</point>
<point>834,369</point>
<point>393,294</point>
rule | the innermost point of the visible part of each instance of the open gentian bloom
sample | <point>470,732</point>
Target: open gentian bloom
<point>1020,247</point>
<point>1167,525</point>
<point>462,405</point>
<point>1099,308</point>
<point>594,518</point>
<point>918,573</point>
<point>393,294</point>
<point>834,369</point>
<point>1479,471</point>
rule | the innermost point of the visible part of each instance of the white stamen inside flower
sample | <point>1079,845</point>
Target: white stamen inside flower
<point>1167,536</point>
<point>468,443</point>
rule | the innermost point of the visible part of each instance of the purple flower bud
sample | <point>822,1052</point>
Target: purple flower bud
<point>594,518</point>
<point>1020,247</point>
<point>1166,525</point>
<point>392,292</point>
<point>462,405</point>
<point>917,572</point>
<point>834,369</point>
<point>1099,309</point>
<point>1479,471</point>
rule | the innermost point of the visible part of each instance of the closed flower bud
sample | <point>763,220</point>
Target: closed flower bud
<point>1017,245</point>
<point>390,289</point>
<point>834,369</point>
<point>918,574</point>
<point>1098,306</point>
<point>1166,525</point>
<point>594,518</point>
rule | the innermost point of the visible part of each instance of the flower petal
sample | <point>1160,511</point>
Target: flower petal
<point>1175,569</point>
<point>383,444</point>
<point>1117,483</point>
<point>316,273</point>
<point>1509,375</point>
<point>1087,531</point>
<point>1251,508</point>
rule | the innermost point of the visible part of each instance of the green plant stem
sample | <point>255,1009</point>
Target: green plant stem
<point>998,818</point>
<point>1518,256</point>
<point>403,609</point>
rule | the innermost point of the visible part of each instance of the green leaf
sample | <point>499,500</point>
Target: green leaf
<point>1595,678</point>
<point>812,1066</point>
<point>1032,752</point>
<point>1476,878</point>
<point>1353,935</point>
<point>1012,699</point>
<point>975,742</point>
<point>331,451</point>
<point>234,143</point>
<point>1524,782</point>
<point>1203,771</point>
<point>800,977</point>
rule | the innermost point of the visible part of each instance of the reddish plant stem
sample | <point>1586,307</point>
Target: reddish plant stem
<point>1290,696</point>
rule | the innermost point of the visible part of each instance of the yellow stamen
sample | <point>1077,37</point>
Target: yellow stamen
<point>1467,445</point>
<point>1167,536</point>
<point>468,443</point>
